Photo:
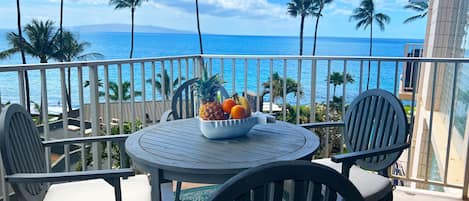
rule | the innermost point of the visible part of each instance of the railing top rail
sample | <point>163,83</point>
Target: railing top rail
<point>357,58</point>
<point>16,67</point>
<point>37,66</point>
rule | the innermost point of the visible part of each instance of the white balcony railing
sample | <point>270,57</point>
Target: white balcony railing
<point>110,106</point>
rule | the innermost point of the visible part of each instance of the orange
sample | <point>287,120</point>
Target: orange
<point>238,112</point>
<point>228,104</point>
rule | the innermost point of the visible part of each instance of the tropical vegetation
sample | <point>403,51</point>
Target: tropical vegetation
<point>165,78</point>
<point>277,87</point>
<point>366,15</point>
<point>337,79</point>
<point>40,41</point>
<point>114,90</point>
<point>302,9</point>
<point>132,4</point>
<point>420,7</point>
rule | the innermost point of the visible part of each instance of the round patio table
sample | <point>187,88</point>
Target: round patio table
<point>177,150</point>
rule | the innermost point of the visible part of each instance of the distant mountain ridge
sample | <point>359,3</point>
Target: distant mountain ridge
<point>125,28</point>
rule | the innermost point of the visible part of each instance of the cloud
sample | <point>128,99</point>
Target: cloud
<point>222,8</point>
<point>340,11</point>
<point>386,5</point>
<point>88,2</point>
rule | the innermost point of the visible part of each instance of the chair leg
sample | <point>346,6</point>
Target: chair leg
<point>116,183</point>
<point>178,191</point>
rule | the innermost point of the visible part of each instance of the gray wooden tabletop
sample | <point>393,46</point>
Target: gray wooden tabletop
<point>181,152</point>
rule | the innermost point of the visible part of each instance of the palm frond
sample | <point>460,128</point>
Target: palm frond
<point>362,23</point>
<point>382,19</point>
<point>7,53</point>
<point>421,7</point>
<point>413,18</point>
<point>90,56</point>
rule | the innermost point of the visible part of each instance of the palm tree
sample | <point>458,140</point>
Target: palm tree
<point>337,79</point>
<point>72,49</point>
<point>366,15</point>
<point>61,34</point>
<point>302,8</point>
<point>167,86</point>
<point>23,57</point>
<point>198,26</point>
<point>132,4</point>
<point>277,86</point>
<point>114,90</point>
<point>319,6</point>
<point>420,7</point>
<point>41,43</point>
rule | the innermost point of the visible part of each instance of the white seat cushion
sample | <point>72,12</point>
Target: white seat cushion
<point>135,188</point>
<point>373,187</point>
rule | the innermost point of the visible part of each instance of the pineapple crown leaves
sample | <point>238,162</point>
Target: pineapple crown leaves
<point>208,87</point>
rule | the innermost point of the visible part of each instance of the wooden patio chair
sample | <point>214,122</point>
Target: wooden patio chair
<point>295,180</point>
<point>182,102</point>
<point>23,157</point>
<point>375,131</point>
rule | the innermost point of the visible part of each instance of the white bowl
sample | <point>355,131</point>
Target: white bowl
<point>223,129</point>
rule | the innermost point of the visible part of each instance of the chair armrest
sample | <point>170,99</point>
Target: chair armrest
<point>68,176</point>
<point>349,159</point>
<point>322,125</point>
<point>166,116</point>
<point>107,138</point>
<point>354,156</point>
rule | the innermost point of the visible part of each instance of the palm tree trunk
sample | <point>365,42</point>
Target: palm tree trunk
<point>198,30</point>
<point>132,39</point>
<point>61,27</point>
<point>335,86</point>
<point>198,26</point>
<point>302,24</point>
<point>23,58</point>
<point>371,53</point>
<point>68,91</point>
<point>316,31</point>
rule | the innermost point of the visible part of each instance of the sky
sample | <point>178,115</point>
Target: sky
<point>231,17</point>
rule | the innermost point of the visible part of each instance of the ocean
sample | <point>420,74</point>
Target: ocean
<point>117,45</point>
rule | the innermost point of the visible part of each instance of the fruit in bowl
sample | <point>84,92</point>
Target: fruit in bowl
<point>232,118</point>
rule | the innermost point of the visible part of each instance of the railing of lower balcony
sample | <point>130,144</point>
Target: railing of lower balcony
<point>122,96</point>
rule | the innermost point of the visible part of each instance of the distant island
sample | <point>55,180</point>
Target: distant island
<point>125,28</point>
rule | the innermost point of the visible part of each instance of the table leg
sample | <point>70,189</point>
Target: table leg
<point>161,190</point>
<point>155,186</point>
<point>178,191</point>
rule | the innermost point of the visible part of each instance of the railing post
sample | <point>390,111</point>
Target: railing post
<point>94,111</point>
<point>313,90</point>
<point>21,88</point>
<point>64,99</point>
<point>44,109</point>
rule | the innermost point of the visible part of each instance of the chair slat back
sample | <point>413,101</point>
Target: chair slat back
<point>183,101</point>
<point>375,119</point>
<point>288,180</point>
<point>22,150</point>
